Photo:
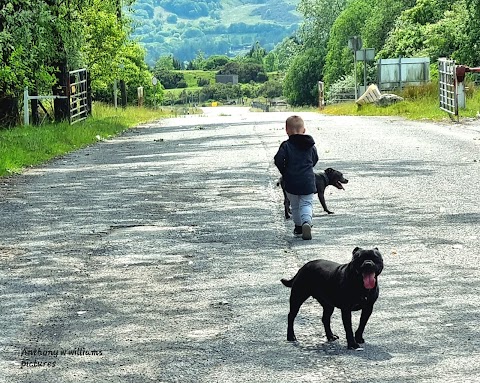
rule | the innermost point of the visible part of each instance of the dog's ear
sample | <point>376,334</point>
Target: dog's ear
<point>379,260</point>
<point>356,255</point>
<point>329,170</point>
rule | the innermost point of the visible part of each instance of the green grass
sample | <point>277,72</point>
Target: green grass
<point>25,146</point>
<point>178,91</point>
<point>420,103</point>
<point>191,77</point>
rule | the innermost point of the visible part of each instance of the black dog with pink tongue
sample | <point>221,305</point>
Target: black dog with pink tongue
<point>350,287</point>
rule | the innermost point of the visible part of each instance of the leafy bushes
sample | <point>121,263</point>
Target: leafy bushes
<point>301,81</point>
<point>221,92</point>
<point>191,33</point>
<point>170,79</point>
<point>336,91</point>
<point>182,84</point>
<point>246,71</point>
<point>203,81</point>
<point>215,62</point>
<point>172,19</point>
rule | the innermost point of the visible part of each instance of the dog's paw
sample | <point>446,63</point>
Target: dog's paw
<point>354,346</point>
<point>332,338</point>
<point>292,338</point>
<point>329,212</point>
<point>359,339</point>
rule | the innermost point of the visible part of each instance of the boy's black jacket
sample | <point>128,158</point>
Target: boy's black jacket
<point>295,159</point>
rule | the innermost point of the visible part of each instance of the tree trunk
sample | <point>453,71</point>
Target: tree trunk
<point>61,105</point>
<point>9,116</point>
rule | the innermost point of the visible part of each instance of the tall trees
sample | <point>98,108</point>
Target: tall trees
<point>318,18</point>
<point>40,40</point>
<point>381,20</point>
<point>256,53</point>
<point>339,60</point>
<point>469,52</point>
<point>432,28</point>
<point>282,56</point>
<point>27,52</point>
<point>305,58</point>
<point>301,81</point>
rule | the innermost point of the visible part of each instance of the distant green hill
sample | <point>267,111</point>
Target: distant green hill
<point>226,27</point>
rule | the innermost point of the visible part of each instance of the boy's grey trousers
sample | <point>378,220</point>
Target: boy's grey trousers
<point>302,208</point>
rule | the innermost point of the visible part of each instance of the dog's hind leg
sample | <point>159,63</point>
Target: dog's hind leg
<point>286,205</point>
<point>327,314</point>
<point>296,300</point>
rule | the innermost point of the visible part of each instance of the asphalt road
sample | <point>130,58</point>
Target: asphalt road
<point>156,256</point>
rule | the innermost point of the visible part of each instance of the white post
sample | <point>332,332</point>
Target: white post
<point>115,93</point>
<point>321,95</point>
<point>461,95</point>
<point>25,107</point>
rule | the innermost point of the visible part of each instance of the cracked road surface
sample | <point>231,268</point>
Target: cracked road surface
<point>156,256</point>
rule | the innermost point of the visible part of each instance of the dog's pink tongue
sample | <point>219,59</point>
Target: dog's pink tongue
<point>369,281</point>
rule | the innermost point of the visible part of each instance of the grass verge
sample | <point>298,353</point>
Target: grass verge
<point>420,103</point>
<point>25,146</point>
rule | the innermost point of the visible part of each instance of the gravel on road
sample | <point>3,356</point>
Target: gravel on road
<point>156,256</point>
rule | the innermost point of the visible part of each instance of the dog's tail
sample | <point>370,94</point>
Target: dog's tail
<point>287,282</point>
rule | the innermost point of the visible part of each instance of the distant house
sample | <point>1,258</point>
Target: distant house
<point>227,78</point>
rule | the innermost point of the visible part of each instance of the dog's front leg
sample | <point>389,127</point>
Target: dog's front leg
<point>321,198</point>
<point>347,324</point>
<point>366,312</point>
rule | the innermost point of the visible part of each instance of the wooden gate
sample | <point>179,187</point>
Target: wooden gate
<point>80,104</point>
<point>448,86</point>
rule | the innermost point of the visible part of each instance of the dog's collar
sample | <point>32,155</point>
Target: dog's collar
<point>326,178</point>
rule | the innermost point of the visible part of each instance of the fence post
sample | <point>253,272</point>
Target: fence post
<point>25,107</point>
<point>140,96</point>
<point>34,106</point>
<point>89,94</point>
<point>400,71</point>
<point>321,95</point>
<point>115,99</point>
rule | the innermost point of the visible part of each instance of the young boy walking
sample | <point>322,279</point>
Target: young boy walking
<point>295,160</point>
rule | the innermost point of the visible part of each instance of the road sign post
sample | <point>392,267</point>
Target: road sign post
<point>355,43</point>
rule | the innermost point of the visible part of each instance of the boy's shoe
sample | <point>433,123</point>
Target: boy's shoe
<point>306,231</point>
<point>297,230</point>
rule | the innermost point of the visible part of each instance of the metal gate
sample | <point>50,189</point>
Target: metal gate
<point>79,97</point>
<point>448,86</point>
